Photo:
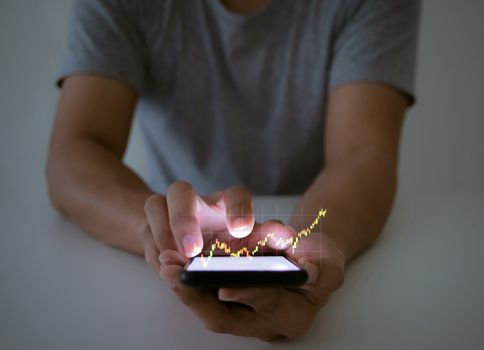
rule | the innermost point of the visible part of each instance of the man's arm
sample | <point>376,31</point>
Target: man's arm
<point>89,183</point>
<point>359,179</point>
<point>87,179</point>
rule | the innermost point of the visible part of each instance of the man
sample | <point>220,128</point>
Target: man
<point>234,97</point>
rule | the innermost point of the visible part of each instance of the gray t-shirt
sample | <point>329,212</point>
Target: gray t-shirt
<point>230,99</point>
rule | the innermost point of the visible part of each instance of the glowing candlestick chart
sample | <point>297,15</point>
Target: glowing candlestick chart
<point>245,251</point>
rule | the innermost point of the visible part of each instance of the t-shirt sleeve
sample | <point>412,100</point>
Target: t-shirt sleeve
<point>377,43</point>
<point>104,39</point>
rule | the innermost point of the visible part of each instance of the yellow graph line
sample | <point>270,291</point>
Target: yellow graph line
<point>279,242</point>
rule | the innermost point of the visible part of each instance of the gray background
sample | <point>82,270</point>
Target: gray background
<point>442,148</point>
<point>421,285</point>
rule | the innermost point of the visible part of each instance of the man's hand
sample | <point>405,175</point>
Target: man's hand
<point>265,313</point>
<point>183,221</point>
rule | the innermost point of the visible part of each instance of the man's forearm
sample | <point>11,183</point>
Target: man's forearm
<point>92,187</point>
<point>358,195</point>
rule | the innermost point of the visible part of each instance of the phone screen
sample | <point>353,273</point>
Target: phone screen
<point>254,263</point>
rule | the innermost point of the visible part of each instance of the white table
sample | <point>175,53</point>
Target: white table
<point>420,287</point>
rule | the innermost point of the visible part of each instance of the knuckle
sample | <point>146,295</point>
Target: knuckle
<point>180,222</point>
<point>179,187</point>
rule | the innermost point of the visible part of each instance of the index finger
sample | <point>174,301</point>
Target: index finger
<point>238,211</point>
<point>183,205</point>
<point>157,214</point>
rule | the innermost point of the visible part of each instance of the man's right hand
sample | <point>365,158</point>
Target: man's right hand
<point>183,221</point>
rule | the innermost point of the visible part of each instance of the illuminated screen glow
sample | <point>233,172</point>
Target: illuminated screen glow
<point>293,241</point>
<point>255,263</point>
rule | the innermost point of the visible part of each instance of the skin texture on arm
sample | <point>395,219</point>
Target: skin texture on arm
<point>87,179</point>
<point>359,179</point>
<point>89,183</point>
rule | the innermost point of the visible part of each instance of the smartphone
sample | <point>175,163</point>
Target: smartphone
<point>226,271</point>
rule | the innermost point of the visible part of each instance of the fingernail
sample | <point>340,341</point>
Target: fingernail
<point>239,223</point>
<point>239,228</point>
<point>242,229</point>
<point>222,296</point>
<point>313,272</point>
<point>190,246</point>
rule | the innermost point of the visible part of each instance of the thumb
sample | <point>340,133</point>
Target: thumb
<point>311,268</point>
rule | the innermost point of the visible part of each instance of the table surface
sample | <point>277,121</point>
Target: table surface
<point>420,286</point>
